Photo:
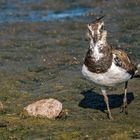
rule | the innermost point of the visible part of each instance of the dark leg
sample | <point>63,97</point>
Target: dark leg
<point>124,107</point>
<point>107,102</point>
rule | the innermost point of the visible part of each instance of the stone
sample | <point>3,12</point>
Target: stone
<point>50,108</point>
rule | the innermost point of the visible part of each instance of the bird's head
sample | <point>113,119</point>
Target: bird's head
<point>96,31</point>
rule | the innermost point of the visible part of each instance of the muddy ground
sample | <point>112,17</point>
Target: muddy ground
<point>42,58</point>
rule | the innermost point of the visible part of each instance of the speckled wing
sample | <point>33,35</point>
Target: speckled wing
<point>122,60</point>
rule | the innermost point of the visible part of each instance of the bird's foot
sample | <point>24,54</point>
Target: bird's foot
<point>109,115</point>
<point>124,108</point>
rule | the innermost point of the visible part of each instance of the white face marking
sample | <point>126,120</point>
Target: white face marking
<point>95,49</point>
<point>96,54</point>
<point>90,28</point>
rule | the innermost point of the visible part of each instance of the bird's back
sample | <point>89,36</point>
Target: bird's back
<point>121,59</point>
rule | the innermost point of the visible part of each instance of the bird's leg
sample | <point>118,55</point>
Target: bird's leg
<point>124,107</point>
<point>107,102</point>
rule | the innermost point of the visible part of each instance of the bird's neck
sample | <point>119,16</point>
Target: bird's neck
<point>97,49</point>
<point>98,44</point>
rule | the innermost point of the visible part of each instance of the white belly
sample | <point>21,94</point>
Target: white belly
<point>114,75</point>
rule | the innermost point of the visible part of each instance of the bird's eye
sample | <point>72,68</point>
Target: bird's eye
<point>102,27</point>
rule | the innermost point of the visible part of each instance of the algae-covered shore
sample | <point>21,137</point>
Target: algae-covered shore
<point>42,46</point>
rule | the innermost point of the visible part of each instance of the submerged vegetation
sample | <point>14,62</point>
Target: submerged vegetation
<point>43,59</point>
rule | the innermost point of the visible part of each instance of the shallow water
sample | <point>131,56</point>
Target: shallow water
<point>43,44</point>
<point>12,13</point>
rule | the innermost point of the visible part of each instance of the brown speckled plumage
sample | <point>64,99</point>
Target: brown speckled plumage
<point>122,60</point>
<point>103,64</point>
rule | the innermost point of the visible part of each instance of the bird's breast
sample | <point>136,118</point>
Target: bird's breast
<point>114,75</point>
